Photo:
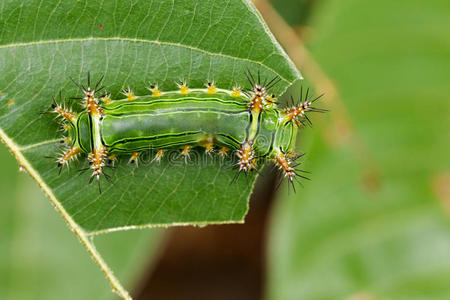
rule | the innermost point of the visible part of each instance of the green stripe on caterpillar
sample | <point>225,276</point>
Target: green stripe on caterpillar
<point>247,122</point>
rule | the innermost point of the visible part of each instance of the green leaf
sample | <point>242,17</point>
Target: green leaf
<point>131,44</point>
<point>369,224</point>
<point>41,258</point>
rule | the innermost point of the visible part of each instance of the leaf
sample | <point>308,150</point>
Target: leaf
<point>41,259</point>
<point>371,223</point>
<point>131,44</point>
<point>42,44</point>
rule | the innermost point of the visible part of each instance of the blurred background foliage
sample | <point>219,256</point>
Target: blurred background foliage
<point>373,223</point>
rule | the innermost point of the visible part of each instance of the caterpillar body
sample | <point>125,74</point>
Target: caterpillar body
<point>246,123</point>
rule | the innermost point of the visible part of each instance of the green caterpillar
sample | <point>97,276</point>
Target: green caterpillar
<point>245,122</point>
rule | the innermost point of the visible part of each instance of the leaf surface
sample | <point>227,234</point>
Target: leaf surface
<point>131,44</point>
<point>41,258</point>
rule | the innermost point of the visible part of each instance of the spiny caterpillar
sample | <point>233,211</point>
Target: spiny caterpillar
<point>246,122</point>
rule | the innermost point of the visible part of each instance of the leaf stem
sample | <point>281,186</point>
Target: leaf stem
<point>77,230</point>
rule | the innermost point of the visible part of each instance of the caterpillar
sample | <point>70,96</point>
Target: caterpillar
<point>246,122</point>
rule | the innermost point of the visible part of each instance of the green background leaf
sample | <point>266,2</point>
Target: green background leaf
<point>369,224</point>
<point>131,44</point>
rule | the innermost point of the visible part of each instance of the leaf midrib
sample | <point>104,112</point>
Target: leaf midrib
<point>156,42</point>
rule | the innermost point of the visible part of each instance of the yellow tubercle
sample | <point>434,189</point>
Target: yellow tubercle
<point>158,155</point>
<point>236,92</point>
<point>156,92</point>
<point>66,127</point>
<point>112,159</point>
<point>134,157</point>
<point>223,151</point>
<point>211,88</point>
<point>184,90</point>
<point>129,94</point>
<point>209,148</point>
<point>208,143</point>
<point>106,99</point>
<point>271,99</point>
<point>185,151</point>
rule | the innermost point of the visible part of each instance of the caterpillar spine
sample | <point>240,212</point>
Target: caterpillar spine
<point>245,121</point>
